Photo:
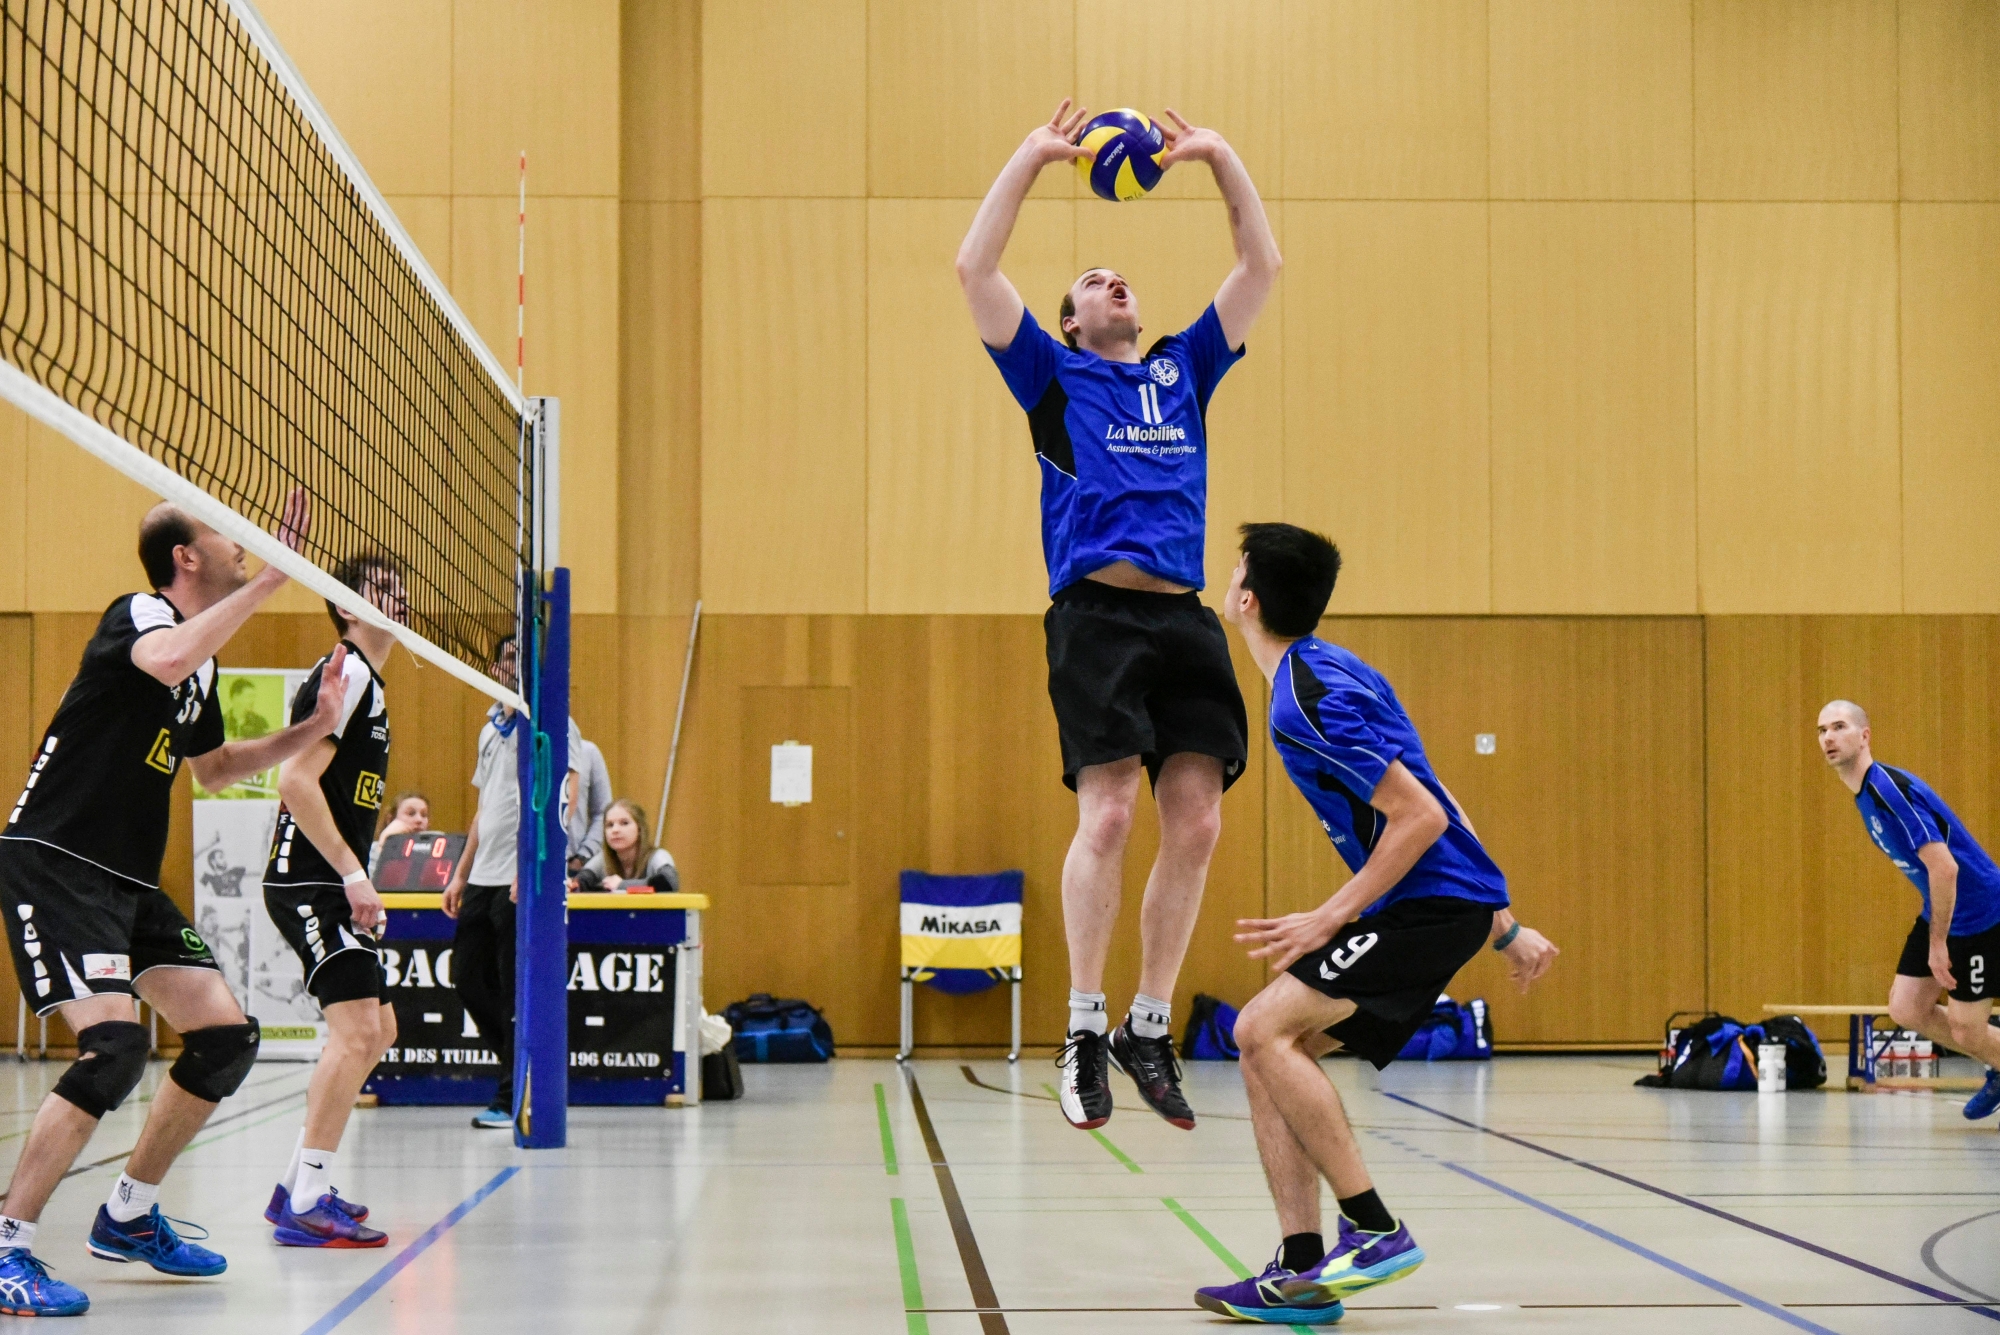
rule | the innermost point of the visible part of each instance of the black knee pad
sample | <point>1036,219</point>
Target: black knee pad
<point>110,1059</point>
<point>214,1060</point>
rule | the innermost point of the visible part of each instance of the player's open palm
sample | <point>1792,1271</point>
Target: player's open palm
<point>1283,940</point>
<point>1188,143</point>
<point>1056,141</point>
<point>332,701</point>
<point>296,519</point>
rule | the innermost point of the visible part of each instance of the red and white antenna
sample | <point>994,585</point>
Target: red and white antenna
<point>521,289</point>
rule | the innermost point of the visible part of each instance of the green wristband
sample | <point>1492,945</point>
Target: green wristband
<point>1507,937</point>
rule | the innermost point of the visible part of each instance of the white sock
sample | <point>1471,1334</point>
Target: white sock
<point>131,1198</point>
<point>315,1178</point>
<point>292,1168</point>
<point>1151,1017</point>
<point>16,1232</point>
<point>1086,1012</point>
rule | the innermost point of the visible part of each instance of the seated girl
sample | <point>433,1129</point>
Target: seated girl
<point>628,860</point>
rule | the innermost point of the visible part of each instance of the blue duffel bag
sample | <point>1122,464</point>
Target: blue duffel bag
<point>772,1029</point>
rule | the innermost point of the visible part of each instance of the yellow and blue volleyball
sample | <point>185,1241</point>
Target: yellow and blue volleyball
<point>1125,151</point>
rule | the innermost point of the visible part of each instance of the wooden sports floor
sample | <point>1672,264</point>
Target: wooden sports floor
<point>1549,1193</point>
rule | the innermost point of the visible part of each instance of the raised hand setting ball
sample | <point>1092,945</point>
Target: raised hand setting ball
<point>1125,151</point>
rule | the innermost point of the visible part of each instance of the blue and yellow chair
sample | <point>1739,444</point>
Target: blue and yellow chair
<point>961,934</point>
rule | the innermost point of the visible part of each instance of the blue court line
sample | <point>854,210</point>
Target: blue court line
<point>1780,1235</point>
<point>401,1261</point>
<point>1706,1281</point>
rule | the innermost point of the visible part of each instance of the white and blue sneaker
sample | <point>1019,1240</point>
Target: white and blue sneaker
<point>28,1289</point>
<point>1982,1103</point>
<point>493,1119</point>
<point>152,1238</point>
<point>1358,1261</point>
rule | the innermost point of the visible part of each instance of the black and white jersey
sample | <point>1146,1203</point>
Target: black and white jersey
<point>102,784</point>
<point>351,782</point>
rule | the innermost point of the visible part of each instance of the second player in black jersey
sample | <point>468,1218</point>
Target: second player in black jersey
<point>317,890</point>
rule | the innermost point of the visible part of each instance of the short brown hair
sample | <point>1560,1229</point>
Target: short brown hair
<point>165,527</point>
<point>1067,311</point>
<point>354,572</point>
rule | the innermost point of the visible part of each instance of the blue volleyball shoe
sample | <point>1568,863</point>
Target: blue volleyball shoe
<point>325,1225</point>
<point>153,1239</point>
<point>493,1119</point>
<point>1983,1102</point>
<point>1358,1261</point>
<point>28,1289</point>
<point>1262,1299</point>
<point>280,1199</point>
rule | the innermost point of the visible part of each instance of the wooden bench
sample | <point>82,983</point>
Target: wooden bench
<point>1864,1049</point>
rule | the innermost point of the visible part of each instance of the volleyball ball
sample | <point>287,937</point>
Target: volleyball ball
<point>1125,151</point>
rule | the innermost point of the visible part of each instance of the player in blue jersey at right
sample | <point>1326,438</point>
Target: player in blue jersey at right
<point>1361,971</point>
<point>1139,670</point>
<point>1953,951</point>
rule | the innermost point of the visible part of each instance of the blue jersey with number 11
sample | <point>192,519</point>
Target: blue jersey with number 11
<point>1123,448</point>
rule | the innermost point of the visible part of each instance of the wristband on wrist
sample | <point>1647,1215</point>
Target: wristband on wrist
<point>355,877</point>
<point>1507,937</point>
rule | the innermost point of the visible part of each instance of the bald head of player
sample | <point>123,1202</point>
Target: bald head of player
<point>1843,740</point>
<point>189,562</point>
<point>1100,314</point>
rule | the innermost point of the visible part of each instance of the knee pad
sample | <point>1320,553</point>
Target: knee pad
<point>214,1060</point>
<point>111,1057</point>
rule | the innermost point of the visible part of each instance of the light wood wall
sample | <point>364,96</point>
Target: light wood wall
<point>1589,308</point>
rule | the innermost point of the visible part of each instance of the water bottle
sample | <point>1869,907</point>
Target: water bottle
<point>1926,1059</point>
<point>1770,1068</point>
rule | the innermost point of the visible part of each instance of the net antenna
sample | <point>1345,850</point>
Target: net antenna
<point>203,288</point>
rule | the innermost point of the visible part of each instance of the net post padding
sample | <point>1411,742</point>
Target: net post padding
<point>50,409</point>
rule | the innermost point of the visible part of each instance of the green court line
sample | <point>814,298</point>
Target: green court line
<point>906,1261</point>
<point>1104,1140</point>
<point>888,1133</point>
<point>1214,1244</point>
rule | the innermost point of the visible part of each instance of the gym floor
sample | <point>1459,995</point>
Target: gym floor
<point>1549,1194</point>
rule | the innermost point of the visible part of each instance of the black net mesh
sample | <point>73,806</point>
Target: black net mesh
<point>187,263</point>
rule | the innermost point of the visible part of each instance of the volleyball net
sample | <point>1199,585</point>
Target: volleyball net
<point>202,287</point>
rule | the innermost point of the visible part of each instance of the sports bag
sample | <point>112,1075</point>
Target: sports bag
<point>1452,1033</point>
<point>1210,1035</point>
<point>1720,1053</point>
<point>770,1029</point>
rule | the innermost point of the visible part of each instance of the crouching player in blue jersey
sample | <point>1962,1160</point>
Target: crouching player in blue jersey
<point>1139,671</point>
<point>1362,971</point>
<point>1953,948</point>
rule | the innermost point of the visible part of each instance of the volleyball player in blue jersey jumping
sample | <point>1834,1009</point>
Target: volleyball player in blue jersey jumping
<point>1139,670</point>
<point>1952,954</point>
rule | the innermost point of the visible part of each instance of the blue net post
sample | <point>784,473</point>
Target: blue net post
<point>541,927</point>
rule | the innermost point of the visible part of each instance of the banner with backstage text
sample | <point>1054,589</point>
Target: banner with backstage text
<point>232,841</point>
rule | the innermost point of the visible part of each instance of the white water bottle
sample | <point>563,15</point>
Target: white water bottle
<point>1926,1059</point>
<point>1770,1068</point>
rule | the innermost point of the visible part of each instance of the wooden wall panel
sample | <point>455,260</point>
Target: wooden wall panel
<point>954,523</point>
<point>1386,445</point>
<point>1385,99</point>
<point>1592,803</point>
<point>1949,113</point>
<point>1593,408</point>
<point>1176,255</point>
<point>1802,907</point>
<point>540,77</point>
<point>659,401</point>
<point>659,52</point>
<point>382,69</point>
<point>63,574</point>
<point>13,508</point>
<point>1795,99</point>
<point>784,98</point>
<point>1592,101</point>
<point>954,86</point>
<point>784,405</point>
<point>1951,407</point>
<point>1796,394</point>
<point>572,352</point>
<point>1212,63</point>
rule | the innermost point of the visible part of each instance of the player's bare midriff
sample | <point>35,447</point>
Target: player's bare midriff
<point>1125,575</point>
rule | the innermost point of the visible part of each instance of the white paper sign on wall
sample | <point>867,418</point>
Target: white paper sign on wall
<point>1484,743</point>
<point>791,774</point>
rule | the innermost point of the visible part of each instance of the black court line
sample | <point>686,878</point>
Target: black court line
<point>1931,1261</point>
<point>992,1320</point>
<point>1828,1253</point>
<point>109,1159</point>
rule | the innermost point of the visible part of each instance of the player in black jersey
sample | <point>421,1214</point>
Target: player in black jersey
<point>80,892</point>
<point>317,889</point>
